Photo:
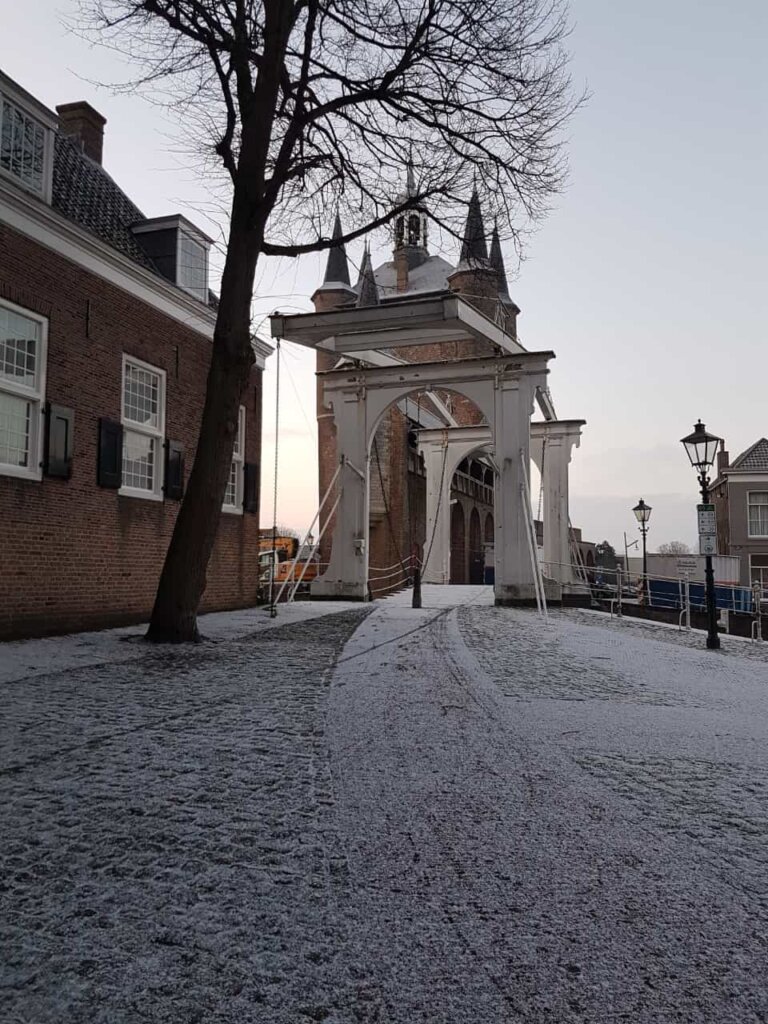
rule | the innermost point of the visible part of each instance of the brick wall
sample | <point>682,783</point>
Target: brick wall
<point>75,555</point>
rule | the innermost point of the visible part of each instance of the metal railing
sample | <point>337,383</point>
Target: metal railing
<point>681,594</point>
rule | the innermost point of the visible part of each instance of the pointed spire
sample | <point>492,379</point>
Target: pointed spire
<point>497,262</point>
<point>473,248</point>
<point>337,269</point>
<point>368,292</point>
<point>410,181</point>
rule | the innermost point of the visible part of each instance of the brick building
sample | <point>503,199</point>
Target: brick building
<point>106,323</point>
<point>397,474</point>
<point>740,495</point>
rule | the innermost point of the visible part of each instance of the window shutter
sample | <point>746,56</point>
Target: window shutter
<point>174,470</point>
<point>59,438</point>
<point>251,487</point>
<point>110,468</point>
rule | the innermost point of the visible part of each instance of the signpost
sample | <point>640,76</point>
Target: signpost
<point>707,521</point>
<point>707,529</point>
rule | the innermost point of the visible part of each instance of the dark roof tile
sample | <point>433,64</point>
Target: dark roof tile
<point>754,458</point>
<point>85,193</point>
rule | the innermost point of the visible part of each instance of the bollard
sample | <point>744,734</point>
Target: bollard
<point>416,601</point>
<point>757,622</point>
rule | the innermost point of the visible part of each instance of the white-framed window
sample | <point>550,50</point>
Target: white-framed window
<point>233,495</point>
<point>192,266</point>
<point>143,419</point>
<point>26,147</point>
<point>757,513</point>
<point>23,343</point>
<point>758,572</point>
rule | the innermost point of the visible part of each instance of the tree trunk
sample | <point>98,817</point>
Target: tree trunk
<point>183,579</point>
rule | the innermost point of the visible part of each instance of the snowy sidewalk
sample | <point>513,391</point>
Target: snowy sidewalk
<point>452,815</point>
<point>571,827</point>
<point>166,853</point>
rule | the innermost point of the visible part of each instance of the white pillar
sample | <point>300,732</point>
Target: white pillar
<point>559,439</point>
<point>556,533</point>
<point>514,571</point>
<point>437,543</point>
<point>346,577</point>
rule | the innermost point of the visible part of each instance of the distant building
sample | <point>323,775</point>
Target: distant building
<point>740,494</point>
<point>106,323</point>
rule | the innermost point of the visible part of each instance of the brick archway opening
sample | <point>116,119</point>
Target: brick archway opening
<point>476,555</point>
<point>458,544</point>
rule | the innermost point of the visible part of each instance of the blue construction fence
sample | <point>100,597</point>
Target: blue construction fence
<point>670,594</point>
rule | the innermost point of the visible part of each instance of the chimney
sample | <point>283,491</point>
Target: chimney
<point>81,121</point>
<point>722,458</point>
<point>401,269</point>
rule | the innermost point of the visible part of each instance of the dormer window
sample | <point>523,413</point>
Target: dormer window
<point>179,250</point>
<point>192,266</point>
<point>26,139</point>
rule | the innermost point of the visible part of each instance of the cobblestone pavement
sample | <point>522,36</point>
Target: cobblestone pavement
<point>483,819</point>
<point>166,849</point>
<point>552,824</point>
<point>739,647</point>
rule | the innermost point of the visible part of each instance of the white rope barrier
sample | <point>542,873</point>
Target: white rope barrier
<point>395,565</point>
<point>399,572</point>
<point>392,586</point>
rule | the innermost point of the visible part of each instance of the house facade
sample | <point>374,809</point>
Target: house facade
<point>106,324</point>
<point>740,494</point>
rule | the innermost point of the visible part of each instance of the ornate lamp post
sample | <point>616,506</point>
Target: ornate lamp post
<point>701,448</point>
<point>642,515</point>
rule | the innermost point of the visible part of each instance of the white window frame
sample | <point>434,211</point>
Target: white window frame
<point>763,490</point>
<point>238,462</point>
<point>180,233</point>
<point>156,433</point>
<point>35,396</point>
<point>28,106</point>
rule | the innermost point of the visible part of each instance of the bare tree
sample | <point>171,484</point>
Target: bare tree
<point>674,547</point>
<point>314,105</point>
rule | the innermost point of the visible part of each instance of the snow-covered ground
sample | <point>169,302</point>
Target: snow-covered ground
<point>20,659</point>
<point>484,818</point>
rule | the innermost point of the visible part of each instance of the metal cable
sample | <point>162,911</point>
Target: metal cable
<point>272,606</point>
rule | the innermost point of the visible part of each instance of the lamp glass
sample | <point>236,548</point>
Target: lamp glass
<point>642,511</point>
<point>701,447</point>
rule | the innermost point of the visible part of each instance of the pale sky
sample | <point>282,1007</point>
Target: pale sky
<point>646,280</point>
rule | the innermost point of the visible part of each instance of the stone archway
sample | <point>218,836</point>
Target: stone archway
<point>458,545</point>
<point>449,447</point>
<point>503,387</point>
<point>476,554</point>
<point>488,530</point>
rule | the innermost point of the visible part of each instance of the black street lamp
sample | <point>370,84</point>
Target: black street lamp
<point>642,515</point>
<point>701,448</point>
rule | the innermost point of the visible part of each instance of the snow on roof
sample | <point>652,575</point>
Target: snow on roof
<point>430,276</point>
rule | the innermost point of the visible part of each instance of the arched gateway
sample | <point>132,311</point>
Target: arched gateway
<point>417,333</point>
<point>502,387</point>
